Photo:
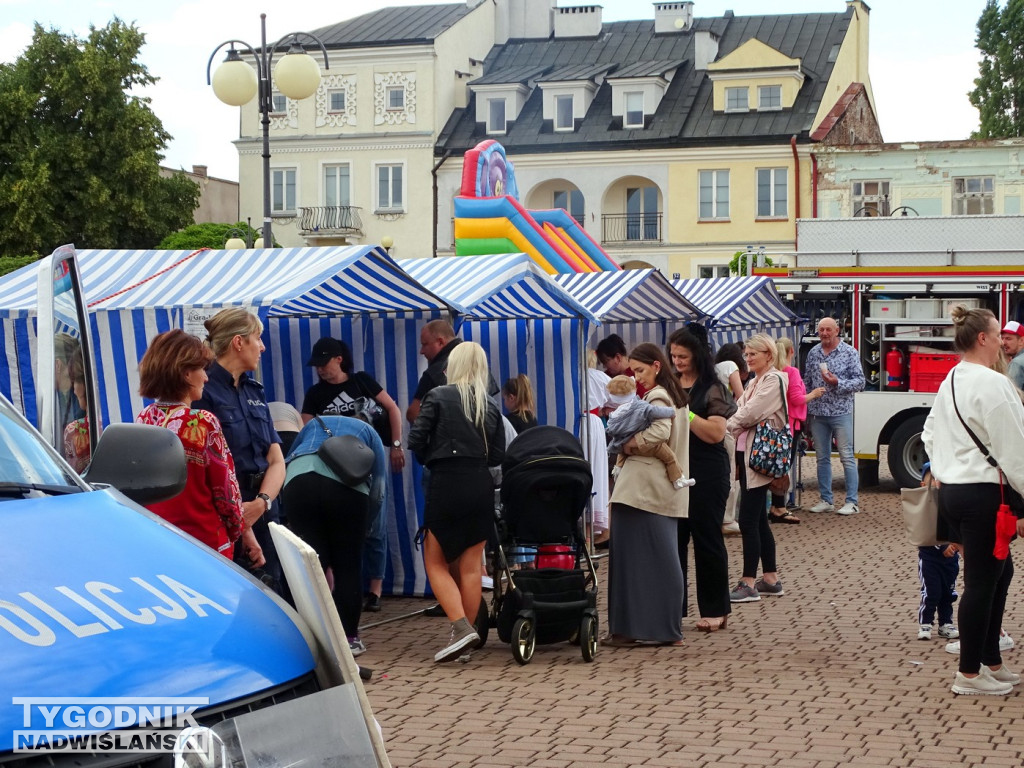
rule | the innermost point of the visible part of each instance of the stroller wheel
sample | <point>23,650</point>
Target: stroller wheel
<point>524,640</point>
<point>588,637</point>
<point>482,624</point>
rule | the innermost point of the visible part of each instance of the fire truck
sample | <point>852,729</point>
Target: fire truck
<point>890,283</point>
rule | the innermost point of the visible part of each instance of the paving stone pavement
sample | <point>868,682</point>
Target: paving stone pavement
<point>831,674</point>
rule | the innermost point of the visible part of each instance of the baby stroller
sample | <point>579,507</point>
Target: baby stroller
<point>549,591</point>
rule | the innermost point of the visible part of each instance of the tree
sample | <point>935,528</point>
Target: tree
<point>999,87</point>
<point>80,155</point>
<point>738,262</point>
<point>209,235</point>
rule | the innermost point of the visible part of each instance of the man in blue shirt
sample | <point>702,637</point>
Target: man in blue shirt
<point>834,365</point>
<point>1012,340</point>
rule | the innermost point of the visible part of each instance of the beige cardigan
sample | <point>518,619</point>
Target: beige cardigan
<point>642,482</point>
<point>761,400</point>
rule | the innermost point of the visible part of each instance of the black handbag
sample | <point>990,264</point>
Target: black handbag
<point>346,455</point>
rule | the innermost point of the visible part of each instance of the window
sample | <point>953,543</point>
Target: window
<point>280,104</point>
<point>336,186</point>
<point>282,190</point>
<point>973,196</point>
<point>870,198</point>
<point>563,113</point>
<point>496,116</point>
<point>714,194</point>
<point>337,101</point>
<point>736,100</point>
<point>396,97</point>
<point>389,188</point>
<point>772,193</point>
<point>642,217</point>
<point>571,201</point>
<point>713,270</point>
<point>769,97</point>
<point>634,103</point>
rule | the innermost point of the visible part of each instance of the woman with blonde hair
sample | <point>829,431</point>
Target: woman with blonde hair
<point>517,394</point>
<point>458,434</point>
<point>239,402</point>
<point>764,399</point>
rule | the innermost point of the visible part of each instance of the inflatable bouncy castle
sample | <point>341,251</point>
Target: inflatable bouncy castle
<point>489,219</point>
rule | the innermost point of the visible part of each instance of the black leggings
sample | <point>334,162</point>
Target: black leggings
<point>970,510</point>
<point>758,541</point>
<point>331,518</point>
<point>710,557</point>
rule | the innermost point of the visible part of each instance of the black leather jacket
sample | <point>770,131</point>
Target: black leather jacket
<point>442,431</point>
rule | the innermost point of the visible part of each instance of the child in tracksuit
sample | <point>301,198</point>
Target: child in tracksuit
<point>937,568</point>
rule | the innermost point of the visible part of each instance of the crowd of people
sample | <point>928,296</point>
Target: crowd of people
<point>670,434</point>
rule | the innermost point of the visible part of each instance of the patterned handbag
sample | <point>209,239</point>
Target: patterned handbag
<point>771,450</point>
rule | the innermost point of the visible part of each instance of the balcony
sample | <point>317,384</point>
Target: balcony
<point>330,220</point>
<point>631,228</point>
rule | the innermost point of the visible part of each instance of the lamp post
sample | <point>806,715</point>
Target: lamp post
<point>387,243</point>
<point>296,74</point>
<point>238,238</point>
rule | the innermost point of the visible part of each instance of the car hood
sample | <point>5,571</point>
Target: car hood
<point>99,600</point>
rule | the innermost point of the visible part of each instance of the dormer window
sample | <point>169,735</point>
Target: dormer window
<point>396,97</point>
<point>563,113</point>
<point>634,109</point>
<point>736,100</point>
<point>769,97</point>
<point>496,122</point>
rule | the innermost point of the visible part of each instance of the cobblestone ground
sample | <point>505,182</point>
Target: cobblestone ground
<point>831,674</point>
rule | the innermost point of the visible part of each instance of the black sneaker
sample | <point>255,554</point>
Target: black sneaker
<point>434,610</point>
<point>372,603</point>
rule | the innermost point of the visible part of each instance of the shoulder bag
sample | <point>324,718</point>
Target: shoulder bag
<point>346,455</point>
<point>1006,518</point>
<point>921,514</point>
<point>771,450</point>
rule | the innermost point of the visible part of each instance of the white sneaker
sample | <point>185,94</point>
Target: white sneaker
<point>849,508</point>
<point>822,506</point>
<point>1004,674</point>
<point>731,529</point>
<point>982,685</point>
<point>948,631</point>
<point>1005,644</point>
<point>924,632</point>
<point>486,582</point>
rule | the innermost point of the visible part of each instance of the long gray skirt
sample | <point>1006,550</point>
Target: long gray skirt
<point>645,580</point>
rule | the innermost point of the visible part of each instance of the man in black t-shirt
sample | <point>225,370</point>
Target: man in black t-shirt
<point>437,340</point>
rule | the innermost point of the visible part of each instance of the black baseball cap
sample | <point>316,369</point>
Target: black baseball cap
<point>324,350</point>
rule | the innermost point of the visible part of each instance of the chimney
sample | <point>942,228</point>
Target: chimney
<point>705,49</point>
<point>199,170</point>
<point>672,18</point>
<point>578,21</point>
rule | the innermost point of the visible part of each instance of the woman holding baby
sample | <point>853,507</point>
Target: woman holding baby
<point>645,580</point>
<point>710,407</point>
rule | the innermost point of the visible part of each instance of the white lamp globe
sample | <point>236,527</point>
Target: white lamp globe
<point>297,75</point>
<point>258,243</point>
<point>234,82</point>
<point>234,244</point>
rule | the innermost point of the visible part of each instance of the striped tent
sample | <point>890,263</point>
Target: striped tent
<point>524,321</point>
<point>735,308</point>
<point>355,293</point>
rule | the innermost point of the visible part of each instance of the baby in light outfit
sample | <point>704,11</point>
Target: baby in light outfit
<point>631,415</point>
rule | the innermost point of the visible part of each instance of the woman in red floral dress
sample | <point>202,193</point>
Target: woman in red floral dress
<point>172,372</point>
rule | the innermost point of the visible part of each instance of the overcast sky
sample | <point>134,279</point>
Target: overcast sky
<point>922,58</point>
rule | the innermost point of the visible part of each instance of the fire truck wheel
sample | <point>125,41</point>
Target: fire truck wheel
<point>906,452</point>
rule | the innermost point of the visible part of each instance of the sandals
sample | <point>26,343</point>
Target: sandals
<point>712,624</point>
<point>786,517</point>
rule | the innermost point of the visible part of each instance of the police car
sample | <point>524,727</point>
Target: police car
<point>123,641</point>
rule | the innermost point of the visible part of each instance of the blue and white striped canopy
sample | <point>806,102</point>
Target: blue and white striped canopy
<point>629,295</point>
<point>735,300</point>
<point>502,287</point>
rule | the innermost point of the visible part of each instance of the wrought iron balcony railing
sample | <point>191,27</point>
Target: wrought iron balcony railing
<point>631,227</point>
<point>330,220</point>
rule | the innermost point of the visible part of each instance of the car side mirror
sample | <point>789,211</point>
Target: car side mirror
<point>144,462</point>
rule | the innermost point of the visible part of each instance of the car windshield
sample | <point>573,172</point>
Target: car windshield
<point>25,459</point>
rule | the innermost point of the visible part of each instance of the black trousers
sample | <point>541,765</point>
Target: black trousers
<point>758,540</point>
<point>970,511</point>
<point>332,518</point>
<point>710,557</point>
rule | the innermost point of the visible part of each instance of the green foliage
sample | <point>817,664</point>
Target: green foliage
<point>80,155</point>
<point>208,236</point>
<point>13,263</point>
<point>738,263</point>
<point>999,88</point>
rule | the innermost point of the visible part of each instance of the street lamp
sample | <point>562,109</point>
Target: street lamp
<point>297,76</point>
<point>238,238</point>
<point>387,243</point>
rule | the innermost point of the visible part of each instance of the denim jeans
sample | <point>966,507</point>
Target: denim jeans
<point>823,429</point>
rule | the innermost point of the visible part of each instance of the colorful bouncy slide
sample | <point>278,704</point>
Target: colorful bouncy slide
<point>489,219</point>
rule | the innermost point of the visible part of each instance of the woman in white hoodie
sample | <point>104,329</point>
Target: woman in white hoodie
<point>975,398</point>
